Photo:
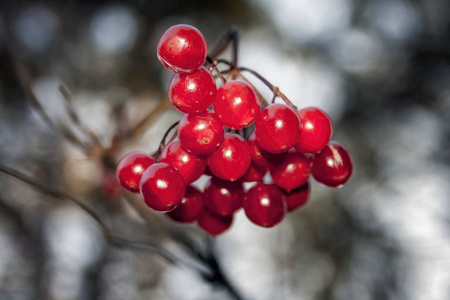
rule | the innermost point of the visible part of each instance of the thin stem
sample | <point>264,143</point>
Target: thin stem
<point>230,36</point>
<point>74,116</point>
<point>213,67</point>
<point>276,91</point>
<point>25,80</point>
<point>109,237</point>
<point>162,144</point>
<point>146,121</point>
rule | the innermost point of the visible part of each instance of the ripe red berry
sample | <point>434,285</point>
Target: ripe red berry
<point>200,134</point>
<point>260,157</point>
<point>190,207</point>
<point>214,224</point>
<point>223,197</point>
<point>264,205</point>
<point>130,168</point>
<point>232,159</point>
<point>292,172</point>
<point>254,173</point>
<point>277,128</point>
<point>237,105</point>
<point>333,166</point>
<point>297,198</point>
<point>162,187</point>
<point>182,49</point>
<point>190,166</point>
<point>316,130</point>
<point>194,92</point>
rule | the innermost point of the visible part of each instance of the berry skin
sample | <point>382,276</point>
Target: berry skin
<point>223,197</point>
<point>292,172</point>
<point>232,159</point>
<point>214,224</point>
<point>254,173</point>
<point>237,105</point>
<point>190,208</point>
<point>162,187</point>
<point>333,166</point>
<point>260,157</point>
<point>194,92</point>
<point>316,130</point>
<point>182,49</point>
<point>190,166</point>
<point>277,128</point>
<point>264,205</point>
<point>130,168</point>
<point>200,134</point>
<point>297,198</point>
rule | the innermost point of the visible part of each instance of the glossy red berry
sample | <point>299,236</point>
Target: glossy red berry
<point>292,172</point>
<point>254,173</point>
<point>194,92</point>
<point>277,128</point>
<point>333,166</point>
<point>232,159</point>
<point>130,168</point>
<point>190,207</point>
<point>237,105</point>
<point>223,197</point>
<point>264,205</point>
<point>190,166</point>
<point>260,157</point>
<point>162,187</point>
<point>200,134</point>
<point>316,130</point>
<point>214,224</point>
<point>182,49</point>
<point>297,198</point>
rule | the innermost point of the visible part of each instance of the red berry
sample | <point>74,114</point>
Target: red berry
<point>297,198</point>
<point>254,173</point>
<point>194,92</point>
<point>237,105</point>
<point>264,205</point>
<point>277,128</point>
<point>200,134</point>
<point>333,166</point>
<point>162,187</point>
<point>232,159</point>
<point>214,224</point>
<point>223,197</point>
<point>292,172</point>
<point>182,49</point>
<point>130,168</point>
<point>260,157</point>
<point>190,207</point>
<point>190,166</point>
<point>316,130</point>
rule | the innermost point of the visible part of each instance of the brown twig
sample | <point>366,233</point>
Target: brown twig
<point>74,116</point>
<point>25,80</point>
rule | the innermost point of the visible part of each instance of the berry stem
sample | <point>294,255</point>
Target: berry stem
<point>213,67</point>
<point>162,144</point>
<point>232,36</point>
<point>276,91</point>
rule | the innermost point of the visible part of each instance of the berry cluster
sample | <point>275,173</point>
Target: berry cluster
<point>215,138</point>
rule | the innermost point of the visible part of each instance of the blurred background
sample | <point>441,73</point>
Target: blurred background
<point>380,69</point>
